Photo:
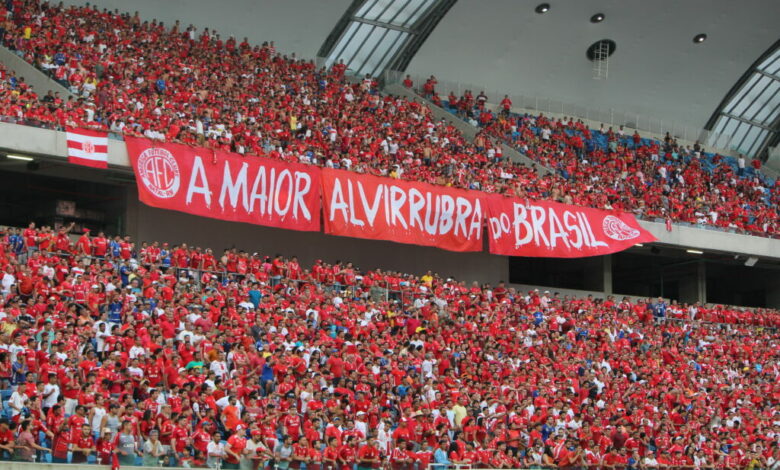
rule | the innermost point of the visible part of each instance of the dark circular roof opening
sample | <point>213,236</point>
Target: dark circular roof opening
<point>597,18</point>
<point>542,8</point>
<point>699,38</point>
<point>600,50</point>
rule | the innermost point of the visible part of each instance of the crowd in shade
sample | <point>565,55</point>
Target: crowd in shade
<point>178,84</point>
<point>175,355</point>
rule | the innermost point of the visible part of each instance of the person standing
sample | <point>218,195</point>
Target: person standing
<point>25,445</point>
<point>368,456</point>
<point>215,451</point>
<point>153,449</point>
<point>283,453</point>
<point>126,444</point>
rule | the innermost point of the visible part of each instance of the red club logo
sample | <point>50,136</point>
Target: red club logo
<point>88,147</point>
<point>159,172</point>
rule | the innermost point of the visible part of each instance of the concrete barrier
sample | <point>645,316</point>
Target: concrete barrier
<point>35,141</point>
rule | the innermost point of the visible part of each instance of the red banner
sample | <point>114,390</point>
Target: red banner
<point>364,206</point>
<point>226,186</point>
<point>518,227</point>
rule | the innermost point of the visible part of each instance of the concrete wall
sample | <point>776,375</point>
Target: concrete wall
<point>148,223</point>
<point>32,76</point>
<point>714,240</point>
<point>33,141</point>
<point>655,71</point>
<point>298,26</point>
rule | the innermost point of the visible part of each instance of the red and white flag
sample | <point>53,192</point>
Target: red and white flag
<point>88,148</point>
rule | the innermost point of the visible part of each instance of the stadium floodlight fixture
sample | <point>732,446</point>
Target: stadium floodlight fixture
<point>699,38</point>
<point>597,18</point>
<point>694,252</point>
<point>542,8</point>
<point>23,158</point>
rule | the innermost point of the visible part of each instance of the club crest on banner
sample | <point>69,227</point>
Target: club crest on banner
<point>616,229</point>
<point>159,172</point>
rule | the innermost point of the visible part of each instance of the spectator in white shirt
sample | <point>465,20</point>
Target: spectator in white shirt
<point>51,392</point>
<point>17,401</point>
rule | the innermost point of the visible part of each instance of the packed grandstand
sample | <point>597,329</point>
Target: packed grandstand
<point>252,100</point>
<point>191,356</point>
<point>127,353</point>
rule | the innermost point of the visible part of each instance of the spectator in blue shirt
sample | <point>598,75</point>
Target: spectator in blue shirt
<point>441,457</point>
<point>124,273</point>
<point>19,370</point>
<point>255,294</point>
<point>267,377</point>
<point>114,248</point>
<point>659,309</point>
<point>115,312</point>
<point>165,256</point>
<point>547,429</point>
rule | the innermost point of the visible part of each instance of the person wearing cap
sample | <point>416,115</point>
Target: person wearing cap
<point>105,446</point>
<point>256,454</point>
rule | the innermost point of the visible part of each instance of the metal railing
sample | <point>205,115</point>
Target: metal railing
<point>607,116</point>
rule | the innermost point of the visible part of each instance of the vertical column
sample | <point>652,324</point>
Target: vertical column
<point>607,272</point>
<point>132,221</point>
<point>701,281</point>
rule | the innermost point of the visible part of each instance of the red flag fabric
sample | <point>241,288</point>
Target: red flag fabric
<point>225,185</point>
<point>365,206</point>
<point>519,227</point>
<point>87,147</point>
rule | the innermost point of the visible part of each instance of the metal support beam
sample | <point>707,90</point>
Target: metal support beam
<point>767,74</point>
<point>384,25</point>
<point>747,121</point>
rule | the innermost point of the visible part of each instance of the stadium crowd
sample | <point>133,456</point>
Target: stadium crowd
<point>177,356</point>
<point>220,93</point>
<point>659,179</point>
